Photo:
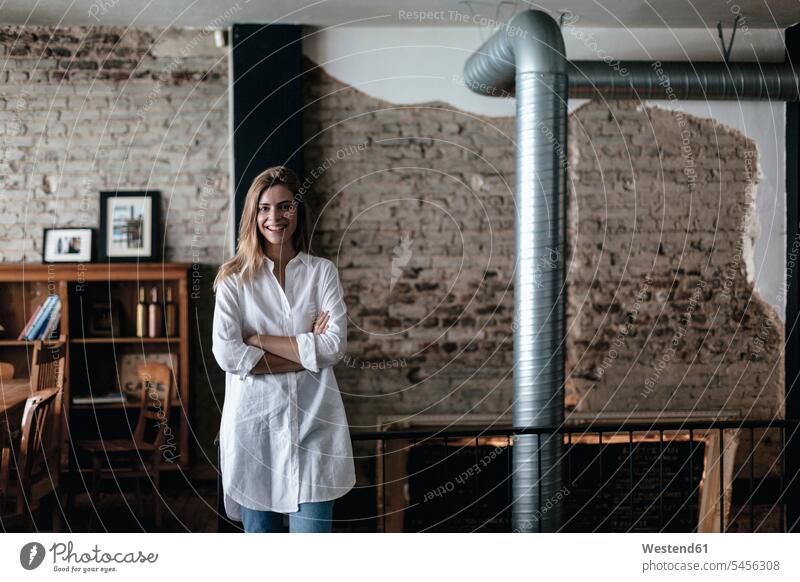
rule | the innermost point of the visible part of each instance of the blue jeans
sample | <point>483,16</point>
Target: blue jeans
<point>314,517</point>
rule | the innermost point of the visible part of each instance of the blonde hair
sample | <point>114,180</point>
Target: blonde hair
<point>250,251</point>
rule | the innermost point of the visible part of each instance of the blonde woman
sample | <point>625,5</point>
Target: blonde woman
<point>280,324</point>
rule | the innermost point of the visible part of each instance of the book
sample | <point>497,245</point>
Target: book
<point>31,319</point>
<point>44,317</point>
<point>109,398</point>
<point>52,323</point>
<point>36,328</point>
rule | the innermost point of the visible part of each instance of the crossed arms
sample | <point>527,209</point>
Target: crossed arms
<point>281,353</point>
<point>243,355</point>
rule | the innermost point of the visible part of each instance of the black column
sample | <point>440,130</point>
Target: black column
<point>267,96</point>
<point>792,354</point>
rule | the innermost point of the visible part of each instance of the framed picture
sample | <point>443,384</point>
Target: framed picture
<point>129,223</point>
<point>67,245</point>
<point>128,378</point>
<point>104,319</point>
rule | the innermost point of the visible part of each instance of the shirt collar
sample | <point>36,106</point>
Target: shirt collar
<point>301,256</point>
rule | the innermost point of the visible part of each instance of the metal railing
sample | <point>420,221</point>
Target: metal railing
<point>670,476</point>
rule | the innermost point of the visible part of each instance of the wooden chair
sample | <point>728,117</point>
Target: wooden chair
<point>141,455</point>
<point>5,443</point>
<point>6,371</point>
<point>36,459</point>
<point>47,370</point>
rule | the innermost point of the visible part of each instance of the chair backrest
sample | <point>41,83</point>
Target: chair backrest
<point>6,371</point>
<point>48,364</point>
<point>156,398</point>
<point>5,459</point>
<point>39,460</point>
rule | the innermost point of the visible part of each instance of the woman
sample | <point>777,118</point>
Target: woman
<point>280,324</point>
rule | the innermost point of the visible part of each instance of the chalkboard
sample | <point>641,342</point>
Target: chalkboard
<point>466,488</point>
<point>458,489</point>
<point>645,488</point>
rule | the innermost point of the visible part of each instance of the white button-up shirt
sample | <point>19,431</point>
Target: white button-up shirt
<point>284,438</point>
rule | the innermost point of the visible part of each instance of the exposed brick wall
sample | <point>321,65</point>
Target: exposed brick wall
<point>662,316</point>
<point>431,187</point>
<point>444,179</point>
<point>409,185</point>
<point>90,109</point>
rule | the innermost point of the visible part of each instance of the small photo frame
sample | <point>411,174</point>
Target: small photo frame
<point>67,245</point>
<point>104,319</point>
<point>129,223</point>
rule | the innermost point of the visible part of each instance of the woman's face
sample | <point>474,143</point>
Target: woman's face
<point>277,215</point>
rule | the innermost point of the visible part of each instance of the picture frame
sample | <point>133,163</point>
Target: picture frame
<point>67,245</point>
<point>128,378</point>
<point>104,319</point>
<point>129,226</point>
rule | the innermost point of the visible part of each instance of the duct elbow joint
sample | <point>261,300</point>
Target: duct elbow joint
<point>530,43</point>
<point>537,43</point>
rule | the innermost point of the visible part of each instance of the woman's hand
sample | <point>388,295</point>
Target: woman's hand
<point>320,324</point>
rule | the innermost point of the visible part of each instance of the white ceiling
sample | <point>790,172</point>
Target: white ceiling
<point>219,13</point>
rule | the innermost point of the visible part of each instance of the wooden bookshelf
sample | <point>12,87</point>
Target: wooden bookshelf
<point>92,361</point>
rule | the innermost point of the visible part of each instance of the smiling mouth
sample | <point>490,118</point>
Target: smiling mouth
<point>280,228</point>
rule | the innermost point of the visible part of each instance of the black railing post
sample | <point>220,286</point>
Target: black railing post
<point>509,465</point>
<point>721,481</point>
<point>692,488</point>
<point>384,512</point>
<point>782,482</point>
<point>660,480</point>
<point>603,479</point>
<point>630,477</point>
<point>752,479</point>
<point>539,482</point>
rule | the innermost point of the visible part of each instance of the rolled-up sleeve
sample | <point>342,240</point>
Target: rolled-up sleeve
<point>327,349</point>
<point>232,354</point>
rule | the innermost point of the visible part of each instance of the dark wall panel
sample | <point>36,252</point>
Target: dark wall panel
<point>267,118</point>
<point>792,354</point>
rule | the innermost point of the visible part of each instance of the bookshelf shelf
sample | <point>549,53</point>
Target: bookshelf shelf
<point>105,405</point>
<point>10,342</point>
<point>95,361</point>
<point>110,472</point>
<point>125,340</point>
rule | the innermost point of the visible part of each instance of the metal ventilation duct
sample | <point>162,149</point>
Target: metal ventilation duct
<point>651,80</point>
<point>699,80</point>
<point>527,57</point>
<point>531,59</point>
